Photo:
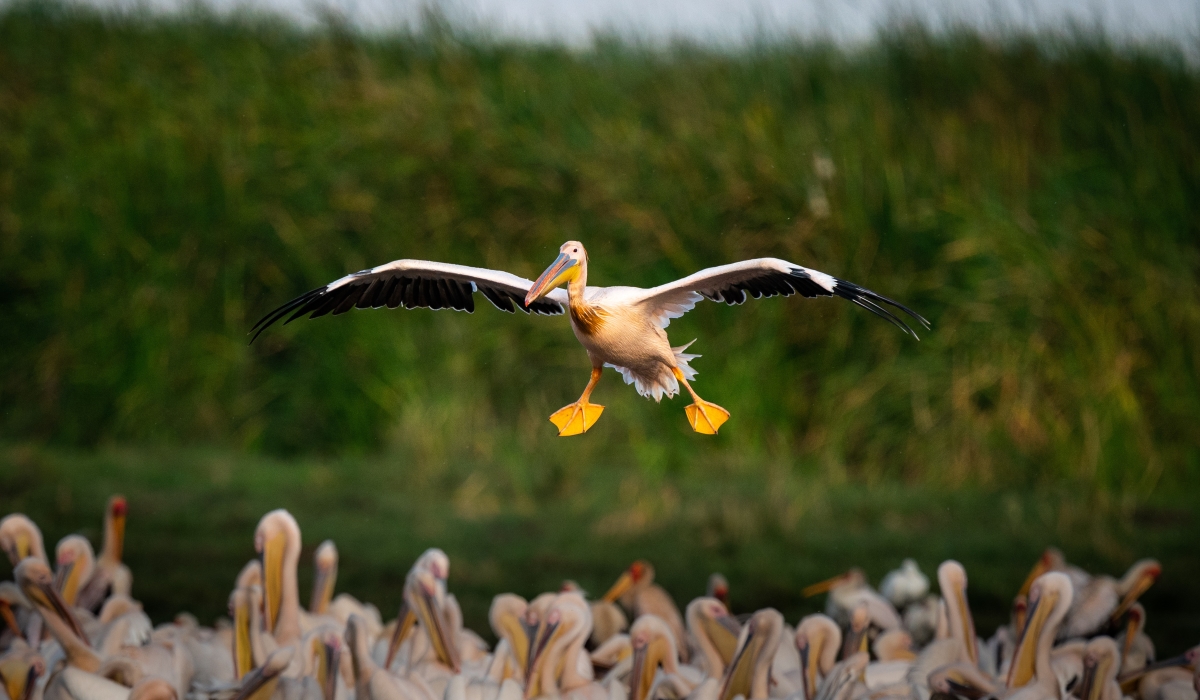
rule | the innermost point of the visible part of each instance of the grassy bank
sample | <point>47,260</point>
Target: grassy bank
<point>192,518</point>
<point>165,182</point>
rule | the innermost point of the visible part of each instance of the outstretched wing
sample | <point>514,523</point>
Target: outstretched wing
<point>762,277</point>
<point>415,284</point>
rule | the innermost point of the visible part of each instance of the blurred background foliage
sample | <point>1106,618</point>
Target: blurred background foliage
<point>166,181</point>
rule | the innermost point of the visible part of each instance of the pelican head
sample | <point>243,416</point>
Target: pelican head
<point>20,670</point>
<point>37,583</point>
<point>507,617</point>
<point>277,541</point>
<point>952,579</point>
<point>1049,598</point>
<point>639,573</point>
<point>748,672</point>
<point>1140,577</point>
<point>425,594</point>
<point>325,564</point>
<point>710,622</point>
<point>74,560</point>
<point>564,622</point>
<point>20,538</point>
<point>653,646</point>
<point>818,638</point>
<point>570,265</point>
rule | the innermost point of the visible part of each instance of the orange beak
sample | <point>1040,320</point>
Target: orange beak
<point>563,269</point>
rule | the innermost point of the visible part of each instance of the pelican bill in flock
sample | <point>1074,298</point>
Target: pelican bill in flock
<point>620,327</point>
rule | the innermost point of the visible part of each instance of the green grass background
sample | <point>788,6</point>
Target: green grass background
<point>164,182</point>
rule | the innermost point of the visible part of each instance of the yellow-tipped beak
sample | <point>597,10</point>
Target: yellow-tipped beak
<point>624,583</point>
<point>563,269</point>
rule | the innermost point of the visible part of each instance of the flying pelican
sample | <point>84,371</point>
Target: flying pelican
<point>620,327</point>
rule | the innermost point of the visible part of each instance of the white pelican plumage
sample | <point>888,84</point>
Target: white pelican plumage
<point>620,327</point>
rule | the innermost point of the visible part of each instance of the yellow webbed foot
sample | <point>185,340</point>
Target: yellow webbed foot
<point>576,418</point>
<point>706,417</point>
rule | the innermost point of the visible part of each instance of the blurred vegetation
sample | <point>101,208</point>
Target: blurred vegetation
<point>166,181</point>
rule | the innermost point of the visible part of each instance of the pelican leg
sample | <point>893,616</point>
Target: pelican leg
<point>576,418</point>
<point>704,416</point>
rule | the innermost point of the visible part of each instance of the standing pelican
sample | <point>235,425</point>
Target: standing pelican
<point>110,577</point>
<point>637,591</point>
<point>1031,676</point>
<point>620,327</point>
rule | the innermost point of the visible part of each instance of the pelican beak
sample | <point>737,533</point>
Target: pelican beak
<point>1041,567</point>
<point>64,581</point>
<point>563,269</point>
<point>723,630</point>
<point>10,619</point>
<point>623,584</point>
<point>808,666</point>
<point>19,675</point>
<point>118,522</point>
<point>324,579</point>
<point>968,623</point>
<point>272,565</point>
<point>44,595</point>
<point>740,674</point>
<point>540,642</point>
<point>329,652</point>
<point>23,547</point>
<point>243,656</point>
<point>1094,673</point>
<point>428,609</point>
<point>646,658</point>
<point>1144,582</point>
<point>1025,657</point>
<point>521,634</point>
<point>823,586</point>
<point>404,624</point>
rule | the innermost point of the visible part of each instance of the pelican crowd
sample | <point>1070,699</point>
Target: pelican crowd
<point>73,630</point>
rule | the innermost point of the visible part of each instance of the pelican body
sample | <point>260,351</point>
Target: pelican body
<point>623,328</point>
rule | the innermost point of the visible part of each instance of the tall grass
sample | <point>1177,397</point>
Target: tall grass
<point>164,182</point>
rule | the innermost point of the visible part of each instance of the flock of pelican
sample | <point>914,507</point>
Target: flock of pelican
<point>620,327</point>
<point>75,632</point>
